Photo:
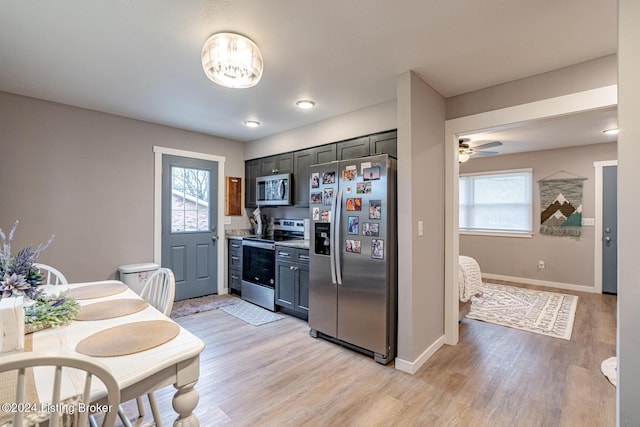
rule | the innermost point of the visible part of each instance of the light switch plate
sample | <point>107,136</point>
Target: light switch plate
<point>588,221</point>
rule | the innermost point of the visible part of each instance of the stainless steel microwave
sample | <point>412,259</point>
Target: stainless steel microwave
<point>273,190</point>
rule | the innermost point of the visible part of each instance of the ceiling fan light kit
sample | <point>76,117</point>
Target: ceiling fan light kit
<point>465,151</point>
<point>232,60</point>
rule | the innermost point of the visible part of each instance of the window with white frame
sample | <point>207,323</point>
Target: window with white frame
<point>496,202</point>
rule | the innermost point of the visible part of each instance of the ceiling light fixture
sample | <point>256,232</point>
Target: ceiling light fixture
<point>611,131</point>
<point>305,104</point>
<point>463,157</point>
<point>232,60</point>
<point>252,123</point>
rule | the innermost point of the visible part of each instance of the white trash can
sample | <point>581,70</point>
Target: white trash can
<point>135,275</point>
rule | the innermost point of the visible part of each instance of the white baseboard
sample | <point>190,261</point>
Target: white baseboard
<point>412,367</point>
<point>559,285</point>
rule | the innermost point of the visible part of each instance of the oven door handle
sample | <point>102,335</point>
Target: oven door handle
<point>261,245</point>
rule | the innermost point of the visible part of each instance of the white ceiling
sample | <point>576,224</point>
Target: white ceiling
<point>141,58</point>
<point>571,130</point>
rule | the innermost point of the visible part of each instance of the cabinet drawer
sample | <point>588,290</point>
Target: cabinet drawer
<point>302,256</point>
<point>235,280</point>
<point>284,253</point>
<point>235,245</point>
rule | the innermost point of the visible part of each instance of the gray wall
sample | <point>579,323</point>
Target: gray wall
<point>421,155</point>
<point>568,260</point>
<point>576,78</point>
<point>628,213</point>
<point>87,177</point>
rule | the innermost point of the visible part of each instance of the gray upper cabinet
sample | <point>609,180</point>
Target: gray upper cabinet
<point>251,172</point>
<point>302,160</point>
<point>298,163</point>
<point>384,143</point>
<point>353,148</point>
<point>282,163</point>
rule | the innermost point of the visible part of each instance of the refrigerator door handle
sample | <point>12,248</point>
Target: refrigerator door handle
<point>336,233</point>
<point>332,247</point>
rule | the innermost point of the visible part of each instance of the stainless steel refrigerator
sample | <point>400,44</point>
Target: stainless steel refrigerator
<point>352,267</point>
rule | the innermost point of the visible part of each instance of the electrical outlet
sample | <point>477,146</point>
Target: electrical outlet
<point>540,264</point>
<point>588,221</point>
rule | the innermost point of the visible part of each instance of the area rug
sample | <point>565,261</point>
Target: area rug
<point>200,304</point>
<point>251,313</point>
<point>546,313</point>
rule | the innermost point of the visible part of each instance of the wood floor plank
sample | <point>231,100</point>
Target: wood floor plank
<point>277,375</point>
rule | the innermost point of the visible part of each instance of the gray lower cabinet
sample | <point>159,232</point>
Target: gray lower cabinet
<point>292,281</point>
<point>235,266</point>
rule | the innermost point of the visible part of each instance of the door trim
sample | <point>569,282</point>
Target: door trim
<point>157,205</point>
<point>597,261</point>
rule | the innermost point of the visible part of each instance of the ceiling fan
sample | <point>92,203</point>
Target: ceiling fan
<point>465,151</point>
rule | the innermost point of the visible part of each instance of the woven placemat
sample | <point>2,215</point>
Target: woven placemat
<point>111,308</point>
<point>128,338</point>
<point>97,291</point>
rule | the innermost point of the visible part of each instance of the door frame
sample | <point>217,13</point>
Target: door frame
<point>603,97</point>
<point>157,205</point>
<point>597,261</point>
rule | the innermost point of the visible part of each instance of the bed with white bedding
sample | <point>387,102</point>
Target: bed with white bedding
<point>469,283</point>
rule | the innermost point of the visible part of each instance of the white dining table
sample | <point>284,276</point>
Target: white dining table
<point>176,362</point>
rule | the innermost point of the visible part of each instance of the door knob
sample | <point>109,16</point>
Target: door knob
<point>607,239</point>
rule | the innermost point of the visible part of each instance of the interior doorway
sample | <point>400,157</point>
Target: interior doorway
<point>456,128</point>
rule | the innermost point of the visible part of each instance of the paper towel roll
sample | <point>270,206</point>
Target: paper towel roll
<point>12,324</point>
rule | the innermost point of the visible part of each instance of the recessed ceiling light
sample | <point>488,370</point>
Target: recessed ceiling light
<point>611,131</point>
<point>252,123</point>
<point>305,104</point>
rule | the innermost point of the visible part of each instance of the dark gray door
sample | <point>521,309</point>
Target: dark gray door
<point>189,224</point>
<point>610,229</point>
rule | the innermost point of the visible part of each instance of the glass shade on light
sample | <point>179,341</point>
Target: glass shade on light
<point>232,60</point>
<point>463,157</point>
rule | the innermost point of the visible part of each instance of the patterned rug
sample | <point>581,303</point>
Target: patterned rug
<point>251,313</point>
<point>200,304</point>
<point>546,313</point>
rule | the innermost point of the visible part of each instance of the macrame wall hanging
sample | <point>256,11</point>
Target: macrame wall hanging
<point>561,204</point>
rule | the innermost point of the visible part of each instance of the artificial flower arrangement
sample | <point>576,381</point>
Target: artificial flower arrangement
<point>19,277</point>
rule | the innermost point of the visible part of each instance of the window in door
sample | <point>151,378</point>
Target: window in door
<point>189,199</point>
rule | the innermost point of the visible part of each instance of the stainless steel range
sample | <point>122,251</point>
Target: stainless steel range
<point>259,261</point>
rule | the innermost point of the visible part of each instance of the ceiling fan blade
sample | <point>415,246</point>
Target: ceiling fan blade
<point>484,153</point>
<point>487,145</point>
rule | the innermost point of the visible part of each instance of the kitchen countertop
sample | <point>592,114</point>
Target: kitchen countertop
<point>240,234</point>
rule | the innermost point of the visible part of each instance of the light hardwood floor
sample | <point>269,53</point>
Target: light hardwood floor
<point>277,375</point>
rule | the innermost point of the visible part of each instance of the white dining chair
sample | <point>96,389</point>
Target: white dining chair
<point>159,291</point>
<point>21,362</point>
<point>51,275</point>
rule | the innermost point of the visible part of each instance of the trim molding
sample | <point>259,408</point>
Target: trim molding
<point>157,205</point>
<point>412,367</point>
<point>558,285</point>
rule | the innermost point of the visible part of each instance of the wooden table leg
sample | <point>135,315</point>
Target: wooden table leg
<point>184,402</point>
